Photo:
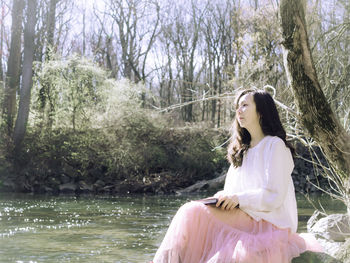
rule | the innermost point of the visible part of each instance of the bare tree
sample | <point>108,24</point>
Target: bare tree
<point>63,27</point>
<point>45,29</point>
<point>137,24</point>
<point>165,73</point>
<point>101,43</point>
<point>219,39</point>
<point>27,74</point>
<point>13,68</point>
<point>183,32</point>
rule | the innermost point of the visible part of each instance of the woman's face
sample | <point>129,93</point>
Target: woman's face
<point>246,114</point>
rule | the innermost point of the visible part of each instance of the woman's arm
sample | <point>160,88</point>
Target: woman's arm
<point>227,201</point>
<point>277,176</point>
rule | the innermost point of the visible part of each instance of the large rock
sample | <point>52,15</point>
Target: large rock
<point>331,232</point>
<point>331,247</point>
<point>344,252</point>
<point>335,227</point>
<point>315,257</point>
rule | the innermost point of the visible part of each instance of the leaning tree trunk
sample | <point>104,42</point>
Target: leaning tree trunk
<point>315,113</point>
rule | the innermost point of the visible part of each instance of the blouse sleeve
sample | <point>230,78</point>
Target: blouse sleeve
<point>277,175</point>
<point>229,181</point>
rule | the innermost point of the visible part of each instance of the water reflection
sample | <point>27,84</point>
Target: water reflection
<point>92,229</point>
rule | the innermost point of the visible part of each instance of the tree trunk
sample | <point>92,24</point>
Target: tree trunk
<point>51,25</point>
<point>315,113</point>
<point>2,6</point>
<point>27,75</point>
<point>84,31</point>
<point>13,65</point>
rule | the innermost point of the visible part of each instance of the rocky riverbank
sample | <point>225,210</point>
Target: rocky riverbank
<point>167,182</point>
<point>138,157</point>
<point>143,158</point>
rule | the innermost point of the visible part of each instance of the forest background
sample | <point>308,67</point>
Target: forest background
<point>120,96</point>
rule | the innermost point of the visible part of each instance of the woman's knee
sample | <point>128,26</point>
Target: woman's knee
<point>192,208</point>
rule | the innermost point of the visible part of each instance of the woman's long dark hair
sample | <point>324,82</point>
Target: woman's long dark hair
<point>269,121</point>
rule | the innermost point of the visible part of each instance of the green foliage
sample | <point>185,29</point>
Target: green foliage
<point>136,147</point>
<point>67,92</point>
<point>78,94</point>
<point>85,126</point>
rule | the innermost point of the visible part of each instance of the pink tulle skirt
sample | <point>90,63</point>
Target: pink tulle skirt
<point>200,233</point>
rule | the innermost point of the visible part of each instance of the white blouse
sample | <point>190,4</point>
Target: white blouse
<point>263,184</point>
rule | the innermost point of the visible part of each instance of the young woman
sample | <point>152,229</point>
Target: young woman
<point>255,219</point>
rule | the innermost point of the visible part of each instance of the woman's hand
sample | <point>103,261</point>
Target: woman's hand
<point>226,202</point>
<point>218,194</point>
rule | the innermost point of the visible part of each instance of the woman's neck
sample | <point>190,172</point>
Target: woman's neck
<point>256,136</point>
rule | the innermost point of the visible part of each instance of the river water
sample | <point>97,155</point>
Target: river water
<point>96,228</point>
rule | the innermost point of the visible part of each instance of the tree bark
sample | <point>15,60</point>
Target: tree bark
<point>2,6</point>
<point>315,113</point>
<point>27,75</point>
<point>13,65</point>
<point>51,25</point>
